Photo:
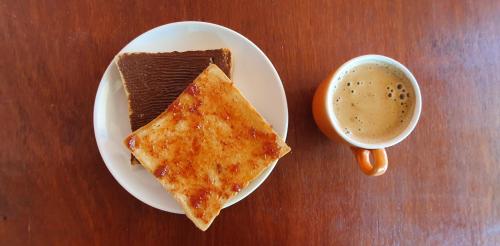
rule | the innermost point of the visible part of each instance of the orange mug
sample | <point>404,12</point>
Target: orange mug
<point>327,122</point>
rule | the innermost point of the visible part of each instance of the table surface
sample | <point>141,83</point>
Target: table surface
<point>442,186</point>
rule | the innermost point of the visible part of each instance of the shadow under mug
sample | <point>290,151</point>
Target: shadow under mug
<point>326,120</point>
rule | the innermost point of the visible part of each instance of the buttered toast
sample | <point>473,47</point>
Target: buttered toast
<point>208,145</point>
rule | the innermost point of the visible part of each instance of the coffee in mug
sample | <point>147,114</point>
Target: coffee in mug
<point>373,102</point>
<point>370,102</point>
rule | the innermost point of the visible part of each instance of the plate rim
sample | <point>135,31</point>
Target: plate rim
<point>98,98</point>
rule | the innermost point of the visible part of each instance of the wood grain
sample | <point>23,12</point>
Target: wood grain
<point>442,186</point>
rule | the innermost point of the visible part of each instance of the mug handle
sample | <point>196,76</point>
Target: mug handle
<point>380,160</point>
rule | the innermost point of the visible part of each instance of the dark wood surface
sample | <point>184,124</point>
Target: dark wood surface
<point>442,186</point>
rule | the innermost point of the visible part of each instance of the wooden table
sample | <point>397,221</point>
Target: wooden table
<point>442,186</point>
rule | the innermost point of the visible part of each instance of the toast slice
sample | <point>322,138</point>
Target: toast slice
<point>154,80</point>
<point>208,145</point>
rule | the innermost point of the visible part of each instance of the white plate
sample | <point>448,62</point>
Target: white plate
<point>253,74</point>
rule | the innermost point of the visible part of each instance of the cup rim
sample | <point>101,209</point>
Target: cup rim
<point>373,58</point>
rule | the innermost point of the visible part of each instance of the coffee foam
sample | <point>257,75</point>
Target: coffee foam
<point>373,102</point>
